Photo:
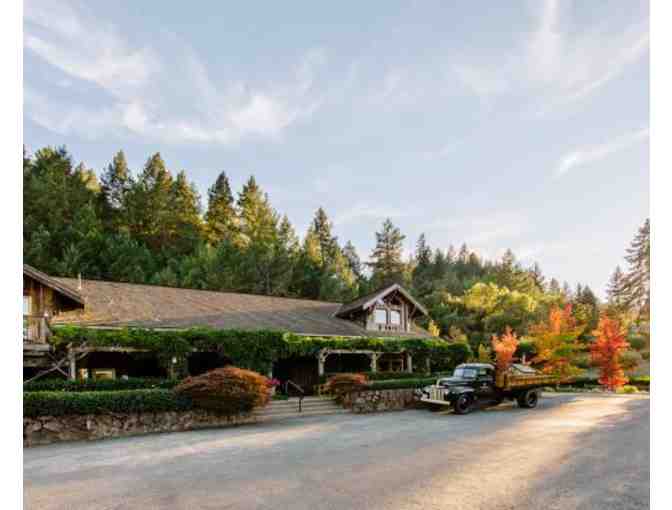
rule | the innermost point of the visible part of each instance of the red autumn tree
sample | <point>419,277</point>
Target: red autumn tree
<point>606,352</point>
<point>504,346</point>
<point>555,340</point>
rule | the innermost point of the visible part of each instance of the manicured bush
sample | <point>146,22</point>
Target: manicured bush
<point>627,389</point>
<point>630,360</point>
<point>637,342</point>
<point>132,383</point>
<point>646,355</point>
<point>402,383</point>
<point>59,403</point>
<point>228,390</point>
<point>340,384</point>
<point>641,381</point>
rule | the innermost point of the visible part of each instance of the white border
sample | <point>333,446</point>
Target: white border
<point>11,98</point>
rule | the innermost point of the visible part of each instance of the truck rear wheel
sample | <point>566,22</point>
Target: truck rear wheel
<point>529,399</point>
<point>462,405</point>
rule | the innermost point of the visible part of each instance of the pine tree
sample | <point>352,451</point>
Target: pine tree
<point>386,259</point>
<point>220,217</point>
<point>185,219</point>
<point>116,181</point>
<point>538,276</point>
<point>258,227</point>
<point>554,287</point>
<point>615,287</point>
<point>149,204</point>
<point>637,282</point>
<point>421,276</point>
<point>354,262</point>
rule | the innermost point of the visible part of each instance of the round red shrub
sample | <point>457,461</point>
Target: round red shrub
<point>340,384</point>
<point>228,390</point>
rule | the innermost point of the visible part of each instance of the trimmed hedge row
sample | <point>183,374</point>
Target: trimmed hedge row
<point>59,403</point>
<point>400,384</point>
<point>132,383</point>
<point>642,381</point>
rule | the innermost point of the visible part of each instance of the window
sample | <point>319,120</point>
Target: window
<point>26,320</point>
<point>26,305</point>
<point>380,316</point>
<point>395,318</point>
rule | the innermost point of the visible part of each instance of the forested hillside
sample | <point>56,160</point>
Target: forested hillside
<point>149,226</point>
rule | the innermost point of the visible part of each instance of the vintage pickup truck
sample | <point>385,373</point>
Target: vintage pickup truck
<point>480,384</point>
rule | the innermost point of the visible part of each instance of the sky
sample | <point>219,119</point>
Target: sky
<point>519,124</point>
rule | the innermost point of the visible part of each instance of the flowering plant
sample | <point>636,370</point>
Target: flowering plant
<point>273,382</point>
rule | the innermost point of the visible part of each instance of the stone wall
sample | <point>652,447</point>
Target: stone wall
<point>371,401</point>
<point>51,429</point>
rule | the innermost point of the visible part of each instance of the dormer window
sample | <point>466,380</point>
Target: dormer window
<point>395,318</point>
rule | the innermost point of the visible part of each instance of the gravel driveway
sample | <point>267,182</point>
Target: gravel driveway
<point>572,452</point>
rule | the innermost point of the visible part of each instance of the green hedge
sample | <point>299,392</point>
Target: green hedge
<point>587,381</point>
<point>402,383</point>
<point>257,350</point>
<point>59,403</point>
<point>132,383</point>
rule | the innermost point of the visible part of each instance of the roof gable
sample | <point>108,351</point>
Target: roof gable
<point>53,283</point>
<point>366,302</point>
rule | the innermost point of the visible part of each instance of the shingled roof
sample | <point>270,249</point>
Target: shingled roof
<point>114,304</point>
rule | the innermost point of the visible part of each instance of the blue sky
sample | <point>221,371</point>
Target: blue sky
<point>519,125</point>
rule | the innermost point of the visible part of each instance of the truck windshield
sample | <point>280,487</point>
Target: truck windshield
<point>465,373</point>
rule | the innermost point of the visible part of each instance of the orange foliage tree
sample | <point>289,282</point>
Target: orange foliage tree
<point>556,341</point>
<point>606,352</point>
<point>504,346</point>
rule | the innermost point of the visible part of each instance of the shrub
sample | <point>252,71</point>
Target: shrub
<point>630,360</point>
<point>641,381</point>
<point>526,348</point>
<point>340,384</point>
<point>228,390</point>
<point>59,403</point>
<point>637,342</point>
<point>583,361</point>
<point>627,389</point>
<point>402,383</point>
<point>132,383</point>
<point>646,355</point>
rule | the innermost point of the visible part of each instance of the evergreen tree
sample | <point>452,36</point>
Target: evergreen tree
<point>116,181</point>
<point>185,218</point>
<point>538,276</point>
<point>149,205</point>
<point>554,287</point>
<point>386,259</point>
<point>636,283</point>
<point>354,262</point>
<point>615,287</point>
<point>421,277</point>
<point>220,217</point>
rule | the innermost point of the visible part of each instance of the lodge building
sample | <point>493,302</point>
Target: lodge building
<point>50,302</point>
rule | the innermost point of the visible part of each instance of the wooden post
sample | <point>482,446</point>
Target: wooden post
<point>321,358</point>
<point>409,363</point>
<point>374,361</point>
<point>72,366</point>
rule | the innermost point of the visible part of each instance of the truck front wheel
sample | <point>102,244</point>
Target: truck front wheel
<point>529,399</point>
<point>462,404</point>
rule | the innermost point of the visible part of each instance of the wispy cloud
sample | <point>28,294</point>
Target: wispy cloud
<point>556,61</point>
<point>587,155</point>
<point>146,89</point>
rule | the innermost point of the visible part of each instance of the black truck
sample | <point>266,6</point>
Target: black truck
<point>480,385</point>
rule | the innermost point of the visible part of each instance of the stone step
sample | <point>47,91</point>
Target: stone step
<point>305,414</point>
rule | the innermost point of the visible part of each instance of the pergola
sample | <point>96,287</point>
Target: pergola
<point>373,356</point>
